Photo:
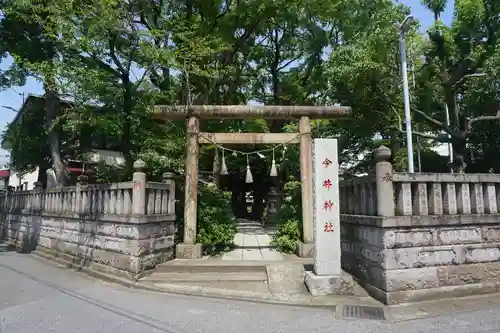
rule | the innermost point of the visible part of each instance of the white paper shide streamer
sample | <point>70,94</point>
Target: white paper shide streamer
<point>223,168</point>
<point>248,177</point>
<point>274,171</point>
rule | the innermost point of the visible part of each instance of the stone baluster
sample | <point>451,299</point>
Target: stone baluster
<point>168,177</point>
<point>66,201</point>
<point>38,197</point>
<point>450,199</point>
<point>490,199</point>
<point>57,200</point>
<point>477,200</point>
<point>372,198</point>
<point>127,201</point>
<point>357,199</point>
<point>150,201</point>
<point>106,195</point>
<point>139,188</point>
<point>497,193</point>
<point>112,201</point>
<point>81,194</point>
<point>435,196</point>
<point>8,199</point>
<point>350,200</point>
<point>343,199</point>
<point>420,201</point>
<point>463,199</point>
<point>158,196</point>
<point>363,208</point>
<point>27,198</point>
<point>90,202</point>
<point>52,202</point>
<point>46,201</point>
<point>385,187</point>
<point>119,201</point>
<point>404,201</point>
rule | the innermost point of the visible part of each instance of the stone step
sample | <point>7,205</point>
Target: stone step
<point>247,224</point>
<point>201,266</point>
<point>247,230</point>
<point>157,277</point>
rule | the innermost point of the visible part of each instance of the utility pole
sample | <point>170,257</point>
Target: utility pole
<point>403,29</point>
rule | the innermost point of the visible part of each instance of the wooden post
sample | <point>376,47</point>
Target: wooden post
<point>189,249</point>
<point>307,247</point>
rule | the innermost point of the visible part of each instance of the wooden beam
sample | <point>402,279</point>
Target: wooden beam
<point>165,112</point>
<point>248,138</point>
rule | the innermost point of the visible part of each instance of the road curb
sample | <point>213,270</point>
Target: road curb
<point>391,314</point>
<point>187,290</point>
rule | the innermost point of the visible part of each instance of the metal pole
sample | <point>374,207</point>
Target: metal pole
<point>450,146</point>
<point>404,70</point>
<point>419,158</point>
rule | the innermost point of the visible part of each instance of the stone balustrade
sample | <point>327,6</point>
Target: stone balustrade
<point>412,237</point>
<point>122,228</point>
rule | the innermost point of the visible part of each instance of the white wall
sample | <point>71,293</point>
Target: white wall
<point>31,178</point>
<point>4,158</point>
<point>110,157</point>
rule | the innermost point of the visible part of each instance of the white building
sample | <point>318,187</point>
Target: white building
<point>26,181</point>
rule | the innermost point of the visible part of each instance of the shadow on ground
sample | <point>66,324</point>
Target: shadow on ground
<point>5,247</point>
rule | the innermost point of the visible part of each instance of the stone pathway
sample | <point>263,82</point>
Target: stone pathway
<point>252,243</point>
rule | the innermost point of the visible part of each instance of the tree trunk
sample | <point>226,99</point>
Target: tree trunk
<point>52,112</point>
<point>128,106</point>
<point>459,154</point>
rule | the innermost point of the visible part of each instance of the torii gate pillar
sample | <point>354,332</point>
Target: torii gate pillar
<point>189,249</point>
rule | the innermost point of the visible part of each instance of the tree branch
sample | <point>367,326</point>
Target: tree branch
<point>112,53</point>
<point>399,127</point>
<point>430,119</point>
<point>471,121</point>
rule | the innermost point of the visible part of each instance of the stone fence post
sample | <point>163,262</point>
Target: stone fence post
<point>385,187</point>
<point>139,188</point>
<point>168,178</point>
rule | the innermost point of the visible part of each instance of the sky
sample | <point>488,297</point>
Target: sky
<point>12,98</point>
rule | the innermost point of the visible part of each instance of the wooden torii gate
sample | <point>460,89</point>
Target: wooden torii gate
<point>189,249</point>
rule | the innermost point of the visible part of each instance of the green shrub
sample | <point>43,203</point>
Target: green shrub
<point>291,206</point>
<point>289,232</point>
<point>216,224</point>
<point>287,238</point>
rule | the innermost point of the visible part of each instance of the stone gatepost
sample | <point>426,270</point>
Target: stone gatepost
<point>327,277</point>
<point>139,189</point>
<point>385,187</point>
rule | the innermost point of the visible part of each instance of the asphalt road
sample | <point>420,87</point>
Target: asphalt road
<point>39,297</point>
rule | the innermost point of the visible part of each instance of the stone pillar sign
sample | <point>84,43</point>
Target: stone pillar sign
<point>326,278</point>
<point>326,207</point>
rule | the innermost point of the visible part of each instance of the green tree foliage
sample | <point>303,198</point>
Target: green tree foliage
<point>114,60</point>
<point>454,56</point>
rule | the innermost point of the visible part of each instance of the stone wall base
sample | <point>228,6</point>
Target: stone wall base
<point>319,285</point>
<point>88,265</point>
<point>188,251</point>
<point>431,294</point>
<point>305,250</point>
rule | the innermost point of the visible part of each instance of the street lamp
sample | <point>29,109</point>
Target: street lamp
<point>403,29</point>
